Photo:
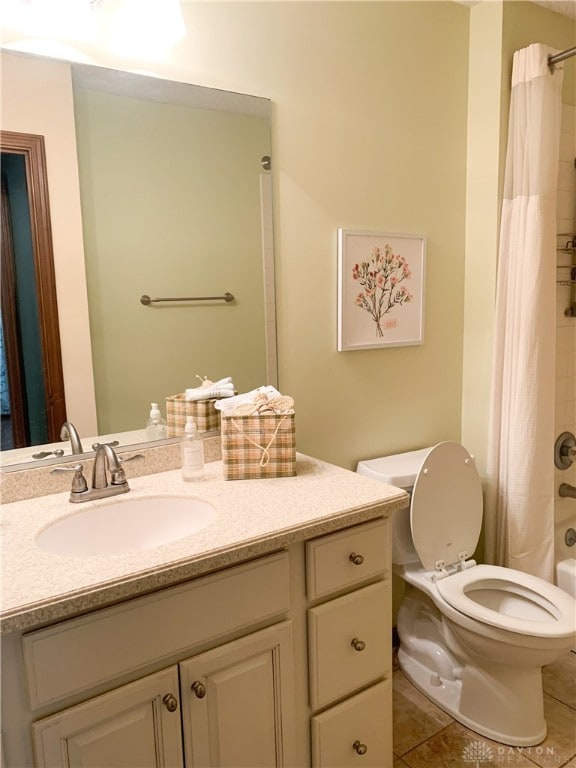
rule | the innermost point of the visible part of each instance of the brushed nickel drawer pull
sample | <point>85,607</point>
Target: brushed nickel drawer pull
<point>359,748</point>
<point>358,645</point>
<point>199,689</point>
<point>356,559</point>
<point>170,702</point>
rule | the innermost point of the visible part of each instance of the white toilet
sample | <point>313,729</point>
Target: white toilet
<point>473,638</point>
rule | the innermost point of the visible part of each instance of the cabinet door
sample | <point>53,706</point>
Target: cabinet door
<point>136,726</point>
<point>237,703</point>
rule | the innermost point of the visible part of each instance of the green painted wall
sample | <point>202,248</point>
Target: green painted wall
<point>369,107</point>
<point>370,130</point>
<point>153,177</point>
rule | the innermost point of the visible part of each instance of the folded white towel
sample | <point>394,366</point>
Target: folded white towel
<point>207,383</point>
<point>210,390</point>
<point>228,406</point>
<point>209,393</point>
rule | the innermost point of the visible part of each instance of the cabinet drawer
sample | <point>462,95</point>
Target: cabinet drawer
<point>346,558</point>
<point>356,732</point>
<point>80,653</point>
<point>350,643</point>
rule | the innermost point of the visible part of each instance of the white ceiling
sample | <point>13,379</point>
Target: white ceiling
<point>565,7</point>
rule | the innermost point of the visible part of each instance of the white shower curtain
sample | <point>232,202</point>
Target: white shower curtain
<point>520,500</point>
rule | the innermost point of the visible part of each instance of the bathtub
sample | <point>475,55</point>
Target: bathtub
<point>565,563</point>
<point>566,575</point>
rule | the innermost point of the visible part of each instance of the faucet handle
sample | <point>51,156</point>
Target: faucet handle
<point>117,474</point>
<point>44,454</point>
<point>79,484</point>
<point>113,443</point>
<point>131,458</point>
<point>565,450</point>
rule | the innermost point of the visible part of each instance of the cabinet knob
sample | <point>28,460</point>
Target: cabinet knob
<point>358,645</point>
<point>170,702</point>
<point>356,559</point>
<point>199,689</point>
<point>359,748</point>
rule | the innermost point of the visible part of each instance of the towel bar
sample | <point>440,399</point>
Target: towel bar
<point>228,297</point>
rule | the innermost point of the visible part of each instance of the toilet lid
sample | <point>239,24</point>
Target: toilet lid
<point>446,508</point>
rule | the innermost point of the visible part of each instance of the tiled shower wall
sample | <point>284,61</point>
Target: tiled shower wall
<point>565,509</point>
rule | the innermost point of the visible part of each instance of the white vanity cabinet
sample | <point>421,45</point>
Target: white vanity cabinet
<point>234,710</point>
<point>282,660</point>
<point>219,690</point>
<point>350,653</point>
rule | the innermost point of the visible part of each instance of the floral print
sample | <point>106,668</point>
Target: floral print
<point>381,279</point>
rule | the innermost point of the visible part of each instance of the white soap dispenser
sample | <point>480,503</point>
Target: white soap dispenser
<point>192,452</point>
<point>156,427</point>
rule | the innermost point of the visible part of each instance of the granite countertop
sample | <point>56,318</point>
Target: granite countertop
<point>254,517</point>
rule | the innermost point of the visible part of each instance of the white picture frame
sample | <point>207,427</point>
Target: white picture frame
<point>380,289</point>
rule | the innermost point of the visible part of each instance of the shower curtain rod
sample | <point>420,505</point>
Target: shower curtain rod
<point>567,54</point>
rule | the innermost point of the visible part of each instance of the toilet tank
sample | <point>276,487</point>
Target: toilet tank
<point>399,470</point>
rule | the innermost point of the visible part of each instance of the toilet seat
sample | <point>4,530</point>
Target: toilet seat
<point>446,518</point>
<point>550,611</point>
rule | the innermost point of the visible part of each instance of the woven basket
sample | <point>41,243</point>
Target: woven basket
<point>205,416</point>
<point>258,446</point>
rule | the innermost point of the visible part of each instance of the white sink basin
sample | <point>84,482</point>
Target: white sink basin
<point>127,525</point>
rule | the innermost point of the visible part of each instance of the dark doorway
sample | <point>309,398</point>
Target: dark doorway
<point>33,405</point>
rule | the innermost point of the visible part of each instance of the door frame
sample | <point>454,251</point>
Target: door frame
<point>31,147</point>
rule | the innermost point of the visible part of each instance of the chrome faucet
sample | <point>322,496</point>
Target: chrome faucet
<point>567,491</point>
<point>69,432</point>
<point>106,455</point>
<point>105,462</point>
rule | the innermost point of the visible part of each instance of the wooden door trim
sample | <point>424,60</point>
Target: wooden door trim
<point>31,147</point>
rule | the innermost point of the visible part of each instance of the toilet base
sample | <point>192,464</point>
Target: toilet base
<point>446,694</point>
<point>482,686</point>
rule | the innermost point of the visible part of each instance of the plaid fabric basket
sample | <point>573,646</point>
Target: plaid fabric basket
<point>258,446</point>
<point>205,416</point>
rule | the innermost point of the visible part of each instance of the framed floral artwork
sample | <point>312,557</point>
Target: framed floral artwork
<point>380,289</point>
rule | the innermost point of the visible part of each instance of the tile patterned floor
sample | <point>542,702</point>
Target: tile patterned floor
<point>426,737</point>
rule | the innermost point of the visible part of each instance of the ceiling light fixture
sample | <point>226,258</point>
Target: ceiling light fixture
<point>146,28</point>
<point>61,19</point>
<point>131,28</point>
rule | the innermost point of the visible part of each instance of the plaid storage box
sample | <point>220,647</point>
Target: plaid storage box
<point>258,446</point>
<point>205,416</point>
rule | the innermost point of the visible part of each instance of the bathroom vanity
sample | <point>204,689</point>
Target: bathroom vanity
<point>262,640</point>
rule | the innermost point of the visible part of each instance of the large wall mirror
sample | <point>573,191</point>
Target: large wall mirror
<point>175,196</point>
